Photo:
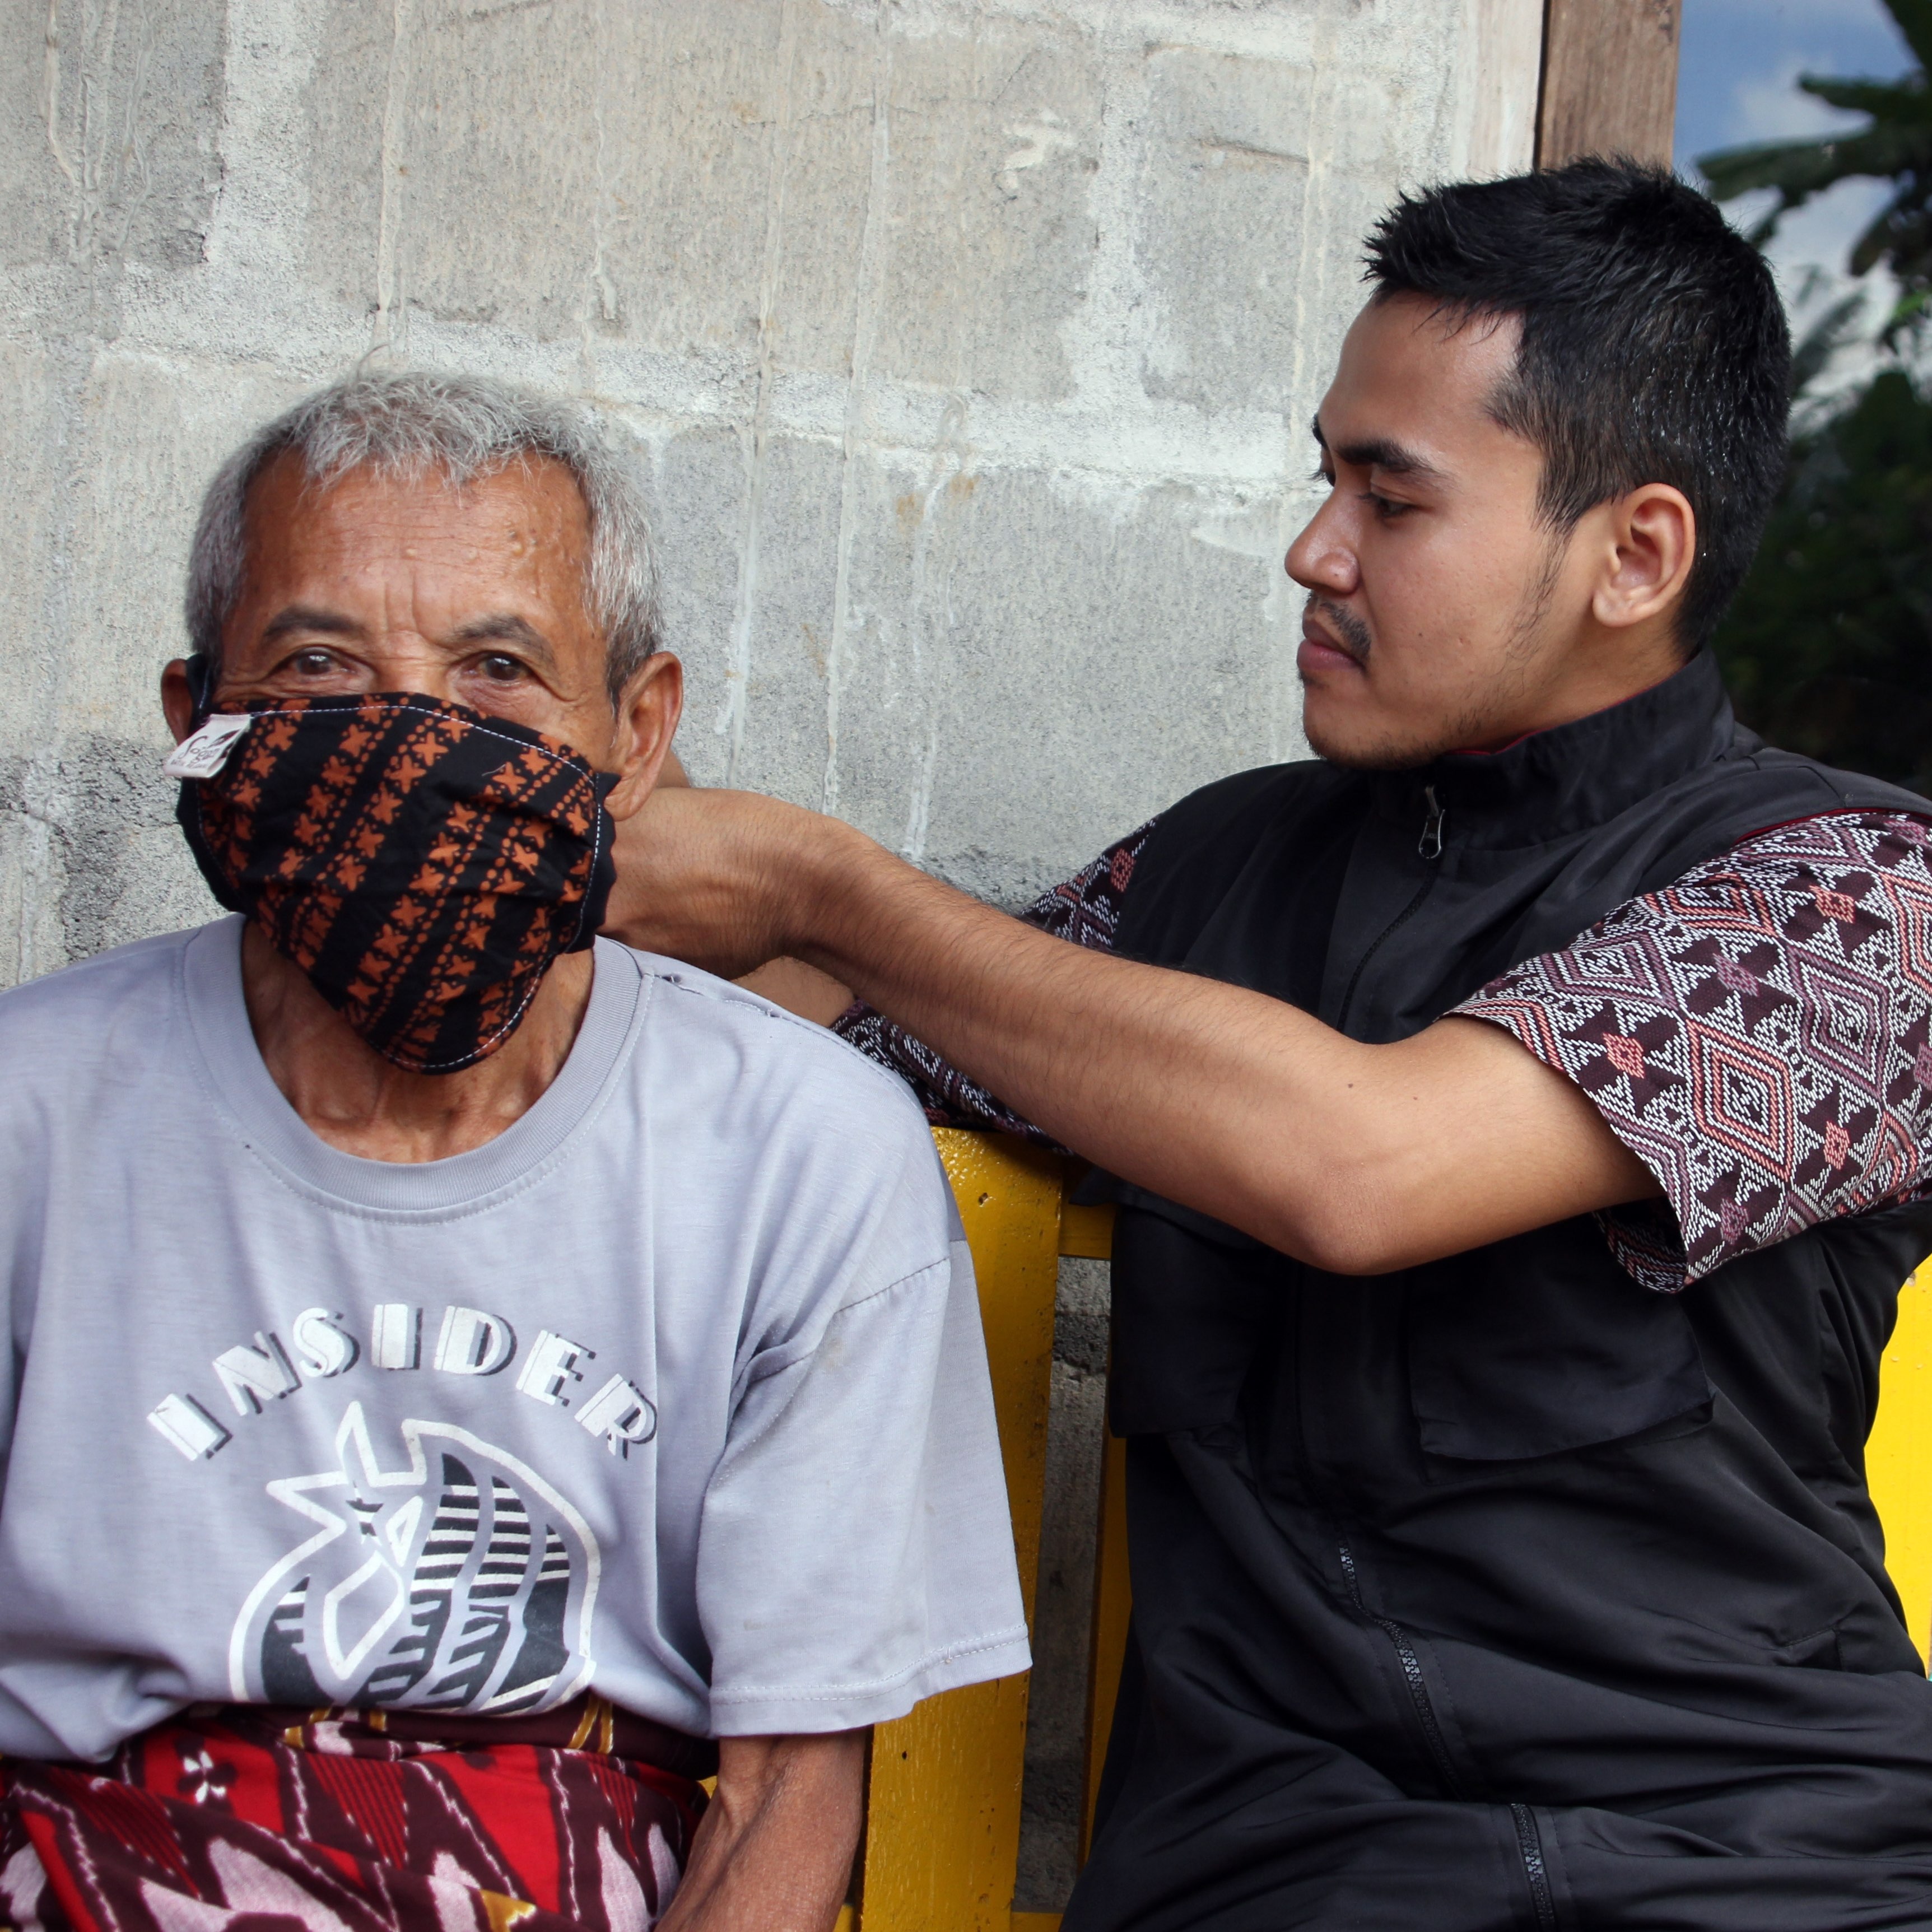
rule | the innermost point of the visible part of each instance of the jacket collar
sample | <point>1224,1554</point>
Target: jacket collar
<point>1580,775</point>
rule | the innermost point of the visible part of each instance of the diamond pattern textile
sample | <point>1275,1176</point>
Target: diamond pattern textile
<point>1756,1033</point>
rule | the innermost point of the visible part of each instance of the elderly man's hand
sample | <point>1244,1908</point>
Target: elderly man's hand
<point>724,879</point>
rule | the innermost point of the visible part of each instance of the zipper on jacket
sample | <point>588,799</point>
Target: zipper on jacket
<point>1529,1842</point>
<point>1412,1671</point>
<point>1428,846</point>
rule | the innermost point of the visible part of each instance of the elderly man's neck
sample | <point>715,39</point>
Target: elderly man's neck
<point>352,1098</point>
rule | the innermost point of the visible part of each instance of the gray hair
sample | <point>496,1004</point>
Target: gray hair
<point>406,423</point>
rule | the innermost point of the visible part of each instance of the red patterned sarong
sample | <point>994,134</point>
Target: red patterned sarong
<point>243,1818</point>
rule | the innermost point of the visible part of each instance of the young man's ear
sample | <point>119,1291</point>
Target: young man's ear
<point>647,714</point>
<point>1652,544</point>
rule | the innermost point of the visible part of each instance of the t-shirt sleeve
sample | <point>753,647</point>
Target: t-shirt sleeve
<point>1085,911</point>
<point>1756,1033</point>
<point>856,1554</point>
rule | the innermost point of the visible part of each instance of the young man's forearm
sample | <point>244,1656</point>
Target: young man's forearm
<point>774,1851</point>
<point>1358,1159</point>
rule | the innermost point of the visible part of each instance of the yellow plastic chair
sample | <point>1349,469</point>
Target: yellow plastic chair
<point>1898,1457</point>
<point>943,1810</point>
<point>943,1807</point>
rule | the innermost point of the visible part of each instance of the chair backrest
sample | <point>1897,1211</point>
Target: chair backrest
<point>1898,1456</point>
<point>943,1810</point>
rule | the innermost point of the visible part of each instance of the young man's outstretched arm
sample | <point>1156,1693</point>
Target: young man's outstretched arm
<point>1357,1158</point>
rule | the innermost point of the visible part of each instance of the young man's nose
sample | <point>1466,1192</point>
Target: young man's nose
<point>1322,558</point>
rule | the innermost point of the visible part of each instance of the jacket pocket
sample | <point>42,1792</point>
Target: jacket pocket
<point>1192,1299</point>
<point>1541,1344</point>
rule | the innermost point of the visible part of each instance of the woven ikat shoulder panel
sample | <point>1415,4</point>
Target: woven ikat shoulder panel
<point>1756,1033</point>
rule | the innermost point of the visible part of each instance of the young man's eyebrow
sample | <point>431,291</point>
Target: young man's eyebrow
<point>1383,453</point>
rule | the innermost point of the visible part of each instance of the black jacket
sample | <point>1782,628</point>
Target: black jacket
<point>1504,1591</point>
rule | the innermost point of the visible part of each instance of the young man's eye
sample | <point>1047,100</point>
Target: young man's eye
<point>1386,507</point>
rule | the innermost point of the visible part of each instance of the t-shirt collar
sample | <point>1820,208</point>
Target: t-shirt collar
<point>243,1090</point>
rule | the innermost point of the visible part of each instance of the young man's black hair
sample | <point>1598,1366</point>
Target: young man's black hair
<point>1654,350</point>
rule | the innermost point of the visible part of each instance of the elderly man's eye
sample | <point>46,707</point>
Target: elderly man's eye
<point>313,664</point>
<point>499,669</point>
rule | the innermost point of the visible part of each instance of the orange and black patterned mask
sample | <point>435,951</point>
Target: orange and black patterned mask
<point>421,862</point>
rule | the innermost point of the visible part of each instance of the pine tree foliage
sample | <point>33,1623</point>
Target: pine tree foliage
<point>1828,648</point>
<point>1895,145</point>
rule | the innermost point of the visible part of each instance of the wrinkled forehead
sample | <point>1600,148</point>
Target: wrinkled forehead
<point>370,544</point>
<point>381,567</point>
<point>527,501</point>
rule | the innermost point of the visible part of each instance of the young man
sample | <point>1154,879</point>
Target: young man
<point>1520,1117</point>
<point>458,1369</point>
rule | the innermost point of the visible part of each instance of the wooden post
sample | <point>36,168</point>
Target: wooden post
<point>1609,80</point>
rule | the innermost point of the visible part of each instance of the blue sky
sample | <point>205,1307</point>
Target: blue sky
<point>1738,66</point>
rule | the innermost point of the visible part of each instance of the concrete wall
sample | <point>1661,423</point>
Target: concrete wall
<point>970,346</point>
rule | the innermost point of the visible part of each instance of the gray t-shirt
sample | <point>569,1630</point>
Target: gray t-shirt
<point>676,1389</point>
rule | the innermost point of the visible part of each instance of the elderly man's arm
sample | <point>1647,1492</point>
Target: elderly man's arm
<point>1357,1158</point>
<point>774,1852</point>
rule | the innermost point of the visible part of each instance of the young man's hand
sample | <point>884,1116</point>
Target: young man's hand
<point>711,849</point>
<point>720,878</point>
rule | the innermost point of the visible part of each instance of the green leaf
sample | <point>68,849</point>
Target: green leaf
<point>1797,169</point>
<point>1905,101</point>
<point>1910,316</point>
<point>1823,340</point>
<point>1901,237</point>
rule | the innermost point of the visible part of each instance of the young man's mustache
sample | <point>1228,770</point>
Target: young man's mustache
<point>1347,630</point>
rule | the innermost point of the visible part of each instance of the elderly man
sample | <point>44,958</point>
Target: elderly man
<point>1522,1116</point>
<point>460,1367</point>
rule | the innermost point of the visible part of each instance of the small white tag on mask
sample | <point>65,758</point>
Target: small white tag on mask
<point>203,753</point>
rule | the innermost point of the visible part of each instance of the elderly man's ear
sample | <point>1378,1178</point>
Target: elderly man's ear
<point>647,721</point>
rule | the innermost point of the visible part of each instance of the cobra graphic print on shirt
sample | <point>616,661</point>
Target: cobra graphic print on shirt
<point>435,1573</point>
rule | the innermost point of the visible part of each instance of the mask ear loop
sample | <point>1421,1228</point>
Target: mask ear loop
<point>201,685</point>
<point>187,806</point>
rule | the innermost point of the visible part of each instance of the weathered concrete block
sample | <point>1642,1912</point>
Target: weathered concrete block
<point>114,117</point>
<point>1144,638</point>
<point>36,541</point>
<point>151,434</point>
<point>984,245</point>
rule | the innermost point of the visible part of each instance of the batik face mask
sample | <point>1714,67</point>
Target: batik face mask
<point>421,862</point>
